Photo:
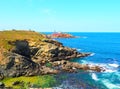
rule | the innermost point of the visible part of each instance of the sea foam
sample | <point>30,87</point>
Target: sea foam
<point>110,85</point>
<point>92,54</point>
<point>114,65</point>
<point>94,76</point>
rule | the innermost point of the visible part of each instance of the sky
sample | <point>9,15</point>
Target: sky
<point>60,15</point>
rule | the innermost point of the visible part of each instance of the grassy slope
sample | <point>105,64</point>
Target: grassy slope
<point>44,81</point>
<point>6,36</point>
<point>10,36</point>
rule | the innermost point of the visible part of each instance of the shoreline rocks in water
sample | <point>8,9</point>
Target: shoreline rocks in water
<point>44,56</point>
<point>74,67</point>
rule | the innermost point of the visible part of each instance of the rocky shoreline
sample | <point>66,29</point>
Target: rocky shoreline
<point>46,56</point>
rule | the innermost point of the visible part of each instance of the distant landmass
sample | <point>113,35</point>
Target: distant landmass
<point>61,35</point>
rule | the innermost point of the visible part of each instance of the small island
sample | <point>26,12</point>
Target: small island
<point>61,35</point>
<point>28,57</point>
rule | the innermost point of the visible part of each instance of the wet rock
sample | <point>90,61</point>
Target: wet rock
<point>74,67</point>
<point>83,55</point>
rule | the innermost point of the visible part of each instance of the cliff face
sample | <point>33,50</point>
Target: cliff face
<point>31,54</point>
<point>52,51</point>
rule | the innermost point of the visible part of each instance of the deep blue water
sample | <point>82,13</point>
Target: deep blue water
<point>106,52</point>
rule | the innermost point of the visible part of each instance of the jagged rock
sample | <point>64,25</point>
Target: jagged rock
<point>18,65</point>
<point>73,66</point>
<point>33,51</point>
<point>52,52</point>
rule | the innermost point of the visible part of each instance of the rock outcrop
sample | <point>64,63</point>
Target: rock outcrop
<point>53,51</point>
<point>29,57</point>
<point>17,65</point>
<point>74,67</point>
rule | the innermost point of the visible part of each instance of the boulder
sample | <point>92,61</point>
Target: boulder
<point>18,65</point>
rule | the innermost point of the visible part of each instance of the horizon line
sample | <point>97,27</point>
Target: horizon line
<point>62,31</point>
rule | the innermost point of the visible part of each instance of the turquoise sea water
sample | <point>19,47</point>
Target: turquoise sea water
<point>106,53</point>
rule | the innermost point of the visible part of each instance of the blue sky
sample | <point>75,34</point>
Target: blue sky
<point>61,15</point>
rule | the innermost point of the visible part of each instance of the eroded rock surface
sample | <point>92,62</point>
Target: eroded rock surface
<point>74,67</point>
<point>44,56</point>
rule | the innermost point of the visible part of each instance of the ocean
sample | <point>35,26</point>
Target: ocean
<point>105,49</point>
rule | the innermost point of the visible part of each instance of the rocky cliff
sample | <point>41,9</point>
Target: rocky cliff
<point>29,53</point>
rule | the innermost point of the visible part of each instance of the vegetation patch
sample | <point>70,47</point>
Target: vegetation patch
<point>9,36</point>
<point>48,64</point>
<point>43,81</point>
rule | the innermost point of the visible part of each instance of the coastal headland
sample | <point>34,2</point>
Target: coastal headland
<point>28,53</point>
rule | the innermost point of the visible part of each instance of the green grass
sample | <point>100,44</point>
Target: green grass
<point>43,81</point>
<point>48,64</point>
<point>6,36</point>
